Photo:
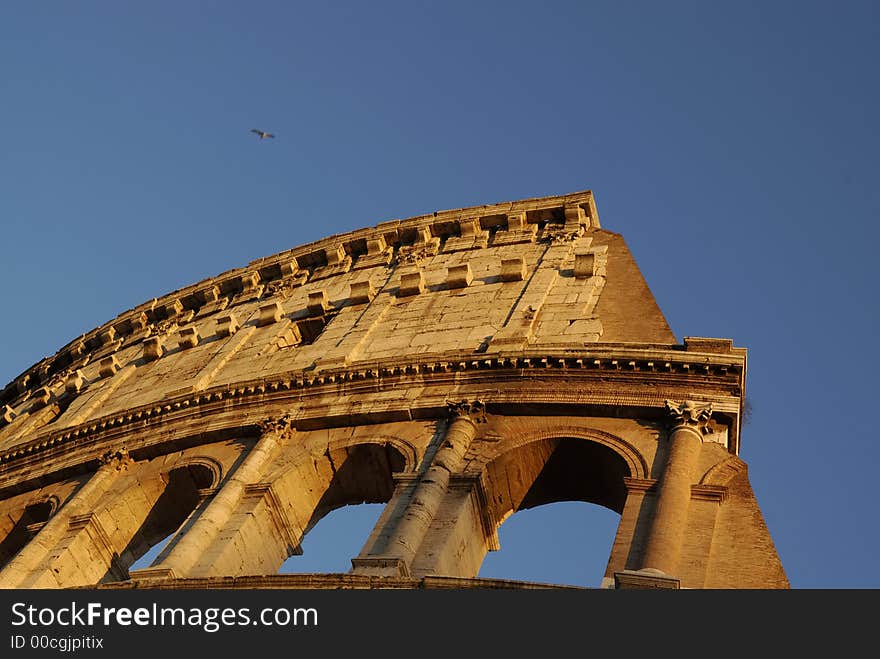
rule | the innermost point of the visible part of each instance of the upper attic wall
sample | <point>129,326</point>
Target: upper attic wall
<point>532,274</point>
<point>627,307</point>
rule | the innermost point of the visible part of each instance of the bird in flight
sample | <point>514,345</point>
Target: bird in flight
<point>263,134</point>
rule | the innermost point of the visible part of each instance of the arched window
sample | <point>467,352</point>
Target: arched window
<point>28,524</point>
<point>352,501</point>
<point>175,504</point>
<point>567,542</point>
<point>334,540</point>
<point>551,540</point>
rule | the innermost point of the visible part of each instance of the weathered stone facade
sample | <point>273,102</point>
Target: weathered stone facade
<point>457,367</point>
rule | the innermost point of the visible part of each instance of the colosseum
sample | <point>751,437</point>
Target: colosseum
<point>456,367</point>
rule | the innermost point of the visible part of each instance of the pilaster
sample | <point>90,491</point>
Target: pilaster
<point>411,526</point>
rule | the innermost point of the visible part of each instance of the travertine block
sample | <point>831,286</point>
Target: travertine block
<point>249,281</point>
<point>376,245</point>
<point>584,326</point>
<point>189,337</point>
<point>209,294</point>
<point>412,283</point>
<point>7,414</point>
<point>318,304</point>
<point>109,366</point>
<point>513,269</point>
<point>335,254</point>
<point>584,264</point>
<point>227,325</point>
<point>459,276</point>
<point>40,397</point>
<point>471,237</point>
<point>518,231</point>
<point>153,348</point>
<point>106,336</point>
<point>361,292</point>
<point>517,222</point>
<point>269,313</point>
<point>575,216</point>
<point>171,308</point>
<point>75,382</point>
<point>289,267</point>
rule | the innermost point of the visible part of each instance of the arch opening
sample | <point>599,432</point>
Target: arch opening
<point>572,547</point>
<point>352,500</point>
<point>179,498</point>
<point>545,484</point>
<point>334,540</point>
<point>31,520</point>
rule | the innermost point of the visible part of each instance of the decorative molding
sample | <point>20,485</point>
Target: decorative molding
<point>459,276</point>
<point>269,314</point>
<point>406,478</point>
<point>118,460</point>
<point>361,292</point>
<point>476,486</point>
<point>606,362</point>
<point>645,580</point>
<point>702,492</point>
<point>90,523</point>
<point>472,410</point>
<point>691,415</point>
<point>380,566</point>
<point>643,485</point>
<point>282,425</point>
<point>411,283</point>
<point>151,574</point>
<point>513,269</point>
<point>264,492</point>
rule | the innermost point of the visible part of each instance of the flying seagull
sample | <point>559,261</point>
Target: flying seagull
<point>263,134</point>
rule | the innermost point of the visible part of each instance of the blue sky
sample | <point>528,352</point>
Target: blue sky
<point>734,145</point>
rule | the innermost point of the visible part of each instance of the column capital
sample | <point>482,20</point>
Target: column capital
<point>117,460</point>
<point>472,410</point>
<point>690,414</point>
<point>281,425</point>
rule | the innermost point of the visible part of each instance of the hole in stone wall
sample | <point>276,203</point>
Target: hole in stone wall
<point>348,509</point>
<point>310,328</point>
<point>568,542</point>
<point>561,500</point>
<point>152,553</point>
<point>178,500</point>
<point>335,540</point>
<point>26,527</point>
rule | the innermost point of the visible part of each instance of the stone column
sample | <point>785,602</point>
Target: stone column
<point>404,541</point>
<point>664,542</point>
<point>83,502</point>
<point>196,539</point>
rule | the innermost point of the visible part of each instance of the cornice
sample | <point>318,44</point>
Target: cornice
<point>647,374</point>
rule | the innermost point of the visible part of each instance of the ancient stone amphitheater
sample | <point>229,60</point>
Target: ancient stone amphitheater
<point>457,367</point>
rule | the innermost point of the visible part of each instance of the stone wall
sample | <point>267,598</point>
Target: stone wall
<point>456,367</point>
